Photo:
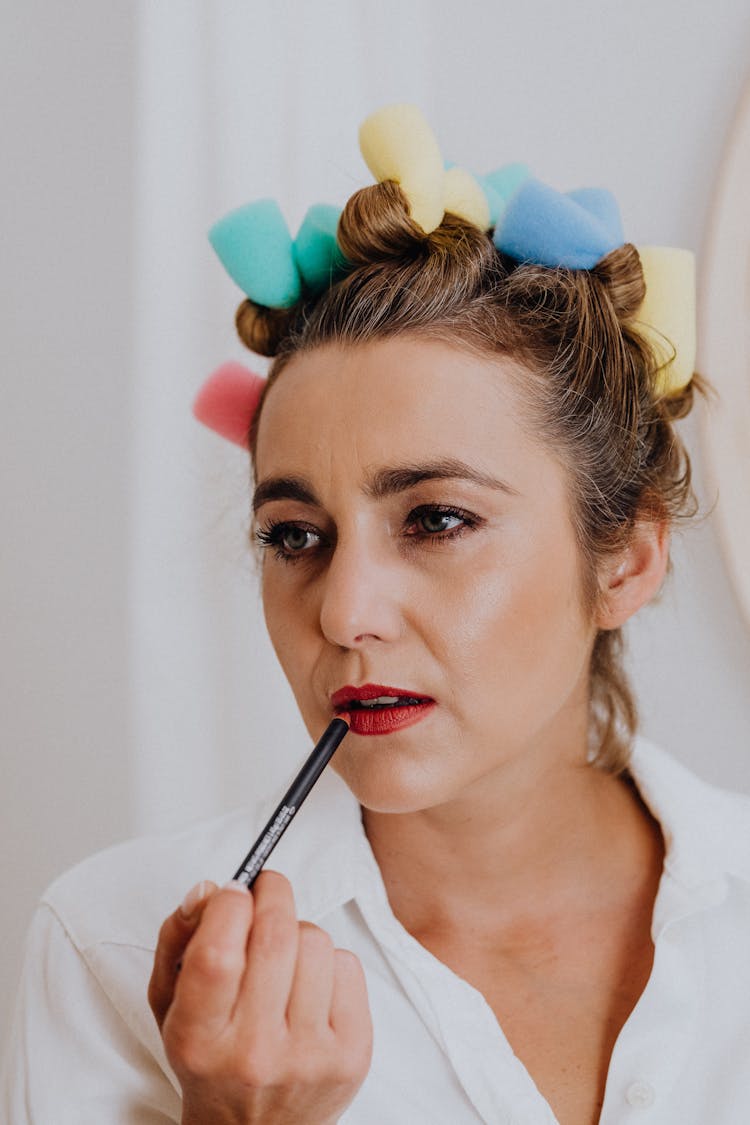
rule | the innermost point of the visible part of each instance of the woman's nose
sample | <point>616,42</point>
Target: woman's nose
<point>361,599</point>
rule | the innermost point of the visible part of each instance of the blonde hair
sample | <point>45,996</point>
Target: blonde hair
<point>589,380</point>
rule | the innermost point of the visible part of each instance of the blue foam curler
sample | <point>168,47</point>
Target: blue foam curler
<point>255,247</point>
<point>602,204</point>
<point>545,226</point>
<point>316,251</point>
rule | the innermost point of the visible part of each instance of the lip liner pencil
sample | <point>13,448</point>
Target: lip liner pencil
<point>283,815</point>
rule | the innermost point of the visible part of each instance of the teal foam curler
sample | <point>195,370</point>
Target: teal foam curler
<point>499,186</point>
<point>255,247</point>
<point>316,251</point>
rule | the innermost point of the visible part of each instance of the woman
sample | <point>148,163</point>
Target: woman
<point>497,905</point>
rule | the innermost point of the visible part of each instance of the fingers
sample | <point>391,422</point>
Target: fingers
<point>309,1005</point>
<point>214,962</point>
<point>350,1012</point>
<point>271,954</point>
<point>266,1020</point>
<point>174,936</point>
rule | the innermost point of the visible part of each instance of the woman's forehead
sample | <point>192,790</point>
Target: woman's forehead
<point>389,403</point>
<point>377,419</point>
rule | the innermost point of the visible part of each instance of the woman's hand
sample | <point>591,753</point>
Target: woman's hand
<point>265,1021</point>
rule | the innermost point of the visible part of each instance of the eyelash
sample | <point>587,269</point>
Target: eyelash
<point>272,535</point>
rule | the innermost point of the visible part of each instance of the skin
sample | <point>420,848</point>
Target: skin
<point>265,1021</point>
<point>489,828</point>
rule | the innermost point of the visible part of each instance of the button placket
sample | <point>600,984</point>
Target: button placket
<point>655,1043</point>
<point>461,1021</point>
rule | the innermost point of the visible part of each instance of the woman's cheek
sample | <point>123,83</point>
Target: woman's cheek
<point>285,616</point>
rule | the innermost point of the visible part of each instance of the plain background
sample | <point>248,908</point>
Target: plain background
<point>99,680</point>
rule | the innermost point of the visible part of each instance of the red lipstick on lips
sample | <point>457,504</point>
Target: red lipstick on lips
<point>377,709</point>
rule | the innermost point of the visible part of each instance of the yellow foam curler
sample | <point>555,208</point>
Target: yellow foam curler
<point>398,144</point>
<point>464,197</point>
<point>667,316</point>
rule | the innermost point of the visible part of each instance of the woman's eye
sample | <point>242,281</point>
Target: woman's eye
<point>289,539</point>
<point>296,539</point>
<point>434,522</point>
<point>439,522</point>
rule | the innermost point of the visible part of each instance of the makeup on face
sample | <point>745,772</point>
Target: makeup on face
<point>423,569</point>
<point>373,709</point>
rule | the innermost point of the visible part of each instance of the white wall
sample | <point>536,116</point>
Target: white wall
<point>636,96</point>
<point>67,76</point>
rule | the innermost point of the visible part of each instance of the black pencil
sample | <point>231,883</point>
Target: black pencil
<point>284,813</point>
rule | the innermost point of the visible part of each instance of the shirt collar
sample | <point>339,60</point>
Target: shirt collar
<point>326,854</point>
<point>705,827</point>
<point>328,858</point>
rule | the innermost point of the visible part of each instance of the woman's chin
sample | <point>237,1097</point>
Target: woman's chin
<point>387,781</point>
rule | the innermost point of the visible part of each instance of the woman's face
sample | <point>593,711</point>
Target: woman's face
<point>419,540</point>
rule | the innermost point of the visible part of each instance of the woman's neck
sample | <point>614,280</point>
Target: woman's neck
<point>545,851</point>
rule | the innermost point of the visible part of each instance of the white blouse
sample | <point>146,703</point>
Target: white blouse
<point>85,1049</point>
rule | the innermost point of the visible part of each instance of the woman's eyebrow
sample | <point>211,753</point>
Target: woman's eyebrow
<point>283,488</point>
<point>384,482</point>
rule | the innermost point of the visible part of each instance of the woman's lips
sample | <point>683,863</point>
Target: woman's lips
<point>377,709</point>
<point>385,720</point>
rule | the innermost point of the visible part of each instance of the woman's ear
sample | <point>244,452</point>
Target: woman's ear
<point>631,578</point>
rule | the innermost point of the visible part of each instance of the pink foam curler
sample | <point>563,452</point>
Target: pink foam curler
<point>228,400</point>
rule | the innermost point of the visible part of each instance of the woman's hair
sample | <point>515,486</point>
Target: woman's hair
<point>585,374</point>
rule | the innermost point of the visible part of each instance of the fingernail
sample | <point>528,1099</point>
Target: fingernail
<point>236,885</point>
<point>192,898</point>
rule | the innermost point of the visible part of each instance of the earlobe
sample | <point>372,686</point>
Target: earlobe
<point>633,577</point>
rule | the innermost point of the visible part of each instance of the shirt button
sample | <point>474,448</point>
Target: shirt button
<point>640,1095</point>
